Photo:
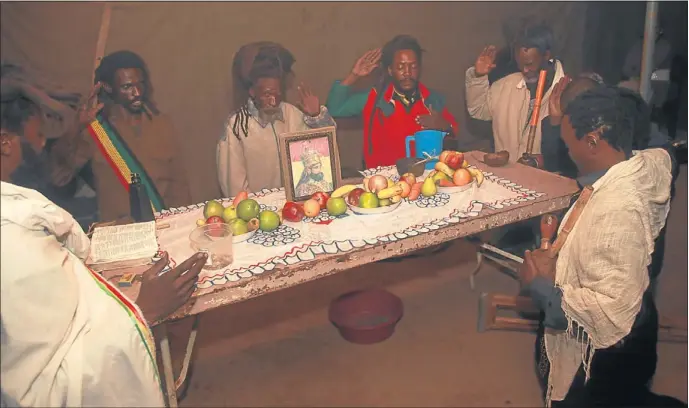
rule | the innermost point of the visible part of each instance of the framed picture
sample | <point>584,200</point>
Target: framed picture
<point>310,163</point>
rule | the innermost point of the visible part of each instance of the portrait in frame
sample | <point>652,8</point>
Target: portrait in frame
<point>310,162</point>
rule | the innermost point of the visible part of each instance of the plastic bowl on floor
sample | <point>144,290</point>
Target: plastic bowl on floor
<point>366,316</point>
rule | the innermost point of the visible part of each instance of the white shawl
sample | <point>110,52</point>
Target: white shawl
<point>65,341</point>
<point>602,268</point>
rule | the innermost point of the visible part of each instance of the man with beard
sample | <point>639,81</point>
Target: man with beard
<point>70,338</point>
<point>312,179</point>
<point>247,154</point>
<point>509,101</point>
<point>122,132</point>
<point>398,107</point>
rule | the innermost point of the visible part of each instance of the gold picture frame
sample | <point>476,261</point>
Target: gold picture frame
<point>309,162</point>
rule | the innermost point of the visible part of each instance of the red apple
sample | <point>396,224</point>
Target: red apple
<point>353,196</point>
<point>292,212</point>
<point>462,177</point>
<point>377,183</point>
<point>215,230</point>
<point>312,208</point>
<point>409,178</point>
<point>322,198</point>
<point>455,160</point>
<point>443,156</point>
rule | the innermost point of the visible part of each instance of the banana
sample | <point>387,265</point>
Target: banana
<point>440,166</point>
<point>343,191</point>
<point>365,182</point>
<point>390,183</point>
<point>390,192</point>
<point>396,199</point>
<point>478,175</point>
<point>465,164</point>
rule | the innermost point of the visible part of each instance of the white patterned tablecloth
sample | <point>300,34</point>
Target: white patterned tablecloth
<point>298,242</point>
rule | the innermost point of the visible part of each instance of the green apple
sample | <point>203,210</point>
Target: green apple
<point>336,206</point>
<point>213,209</point>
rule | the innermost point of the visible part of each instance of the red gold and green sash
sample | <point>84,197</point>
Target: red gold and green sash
<point>122,160</point>
<point>134,315</point>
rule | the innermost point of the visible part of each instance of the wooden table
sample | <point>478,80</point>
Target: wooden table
<point>558,192</point>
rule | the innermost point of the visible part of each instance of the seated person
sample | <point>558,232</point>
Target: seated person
<point>122,132</point>
<point>400,106</point>
<point>247,154</point>
<point>509,101</point>
<point>601,320</point>
<point>70,338</point>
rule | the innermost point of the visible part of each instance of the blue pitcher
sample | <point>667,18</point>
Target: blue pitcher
<point>426,141</point>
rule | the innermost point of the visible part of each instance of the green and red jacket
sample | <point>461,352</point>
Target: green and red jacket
<point>384,137</point>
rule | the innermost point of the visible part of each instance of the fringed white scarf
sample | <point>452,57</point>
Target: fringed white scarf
<point>602,268</point>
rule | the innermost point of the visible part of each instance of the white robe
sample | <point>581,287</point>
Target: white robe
<point>66,340</point>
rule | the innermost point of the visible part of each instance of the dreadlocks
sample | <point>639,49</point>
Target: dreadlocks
<point>251,63</point>
<point>613,112</point>
<point>399,43</point>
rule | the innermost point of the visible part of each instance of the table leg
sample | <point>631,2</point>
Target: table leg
<point>172,386</point>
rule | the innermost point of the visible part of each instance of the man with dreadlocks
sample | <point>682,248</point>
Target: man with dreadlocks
<point>398,107</point>
<point>247,153</point>
<point>122,132</point>
<point>509,101</point>
<point>601,321</point>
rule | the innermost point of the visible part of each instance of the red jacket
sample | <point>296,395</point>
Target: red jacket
<point>393,123</point>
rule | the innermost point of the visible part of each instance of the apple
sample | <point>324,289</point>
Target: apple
<point>322,198</point>
<point>353,196</point>
<point>292,212</point>
<point>455,160</point>
<point>443,156</point>
<point>215,220</point>
<point>406,188</point>
<point>462,177</point>
<point>409,178</point>
<point>312,208</point>
<point>377,183</point>
<point>215,230</point>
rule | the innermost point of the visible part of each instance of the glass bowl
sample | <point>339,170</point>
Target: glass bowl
<point>215,240</point>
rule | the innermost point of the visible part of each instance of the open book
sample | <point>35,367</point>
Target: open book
<point>123,246</point>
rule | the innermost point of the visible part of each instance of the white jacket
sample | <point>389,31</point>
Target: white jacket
<point>66,339</point>
<point>506,103</point>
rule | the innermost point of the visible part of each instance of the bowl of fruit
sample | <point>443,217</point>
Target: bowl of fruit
<point>244,217</point>
<point>452,173</point>
<point>378,195</point>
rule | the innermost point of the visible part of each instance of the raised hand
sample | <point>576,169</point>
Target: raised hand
<point>90,108</point>
<point>367,63</point>
<point>162,295</point>
<point>485,61</point>
<point>308,102</point>
<point>554,102</point>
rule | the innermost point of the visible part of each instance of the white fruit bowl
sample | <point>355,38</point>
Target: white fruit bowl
<point>374,211</point>
<point>244,237</point>
<point>457,189</point>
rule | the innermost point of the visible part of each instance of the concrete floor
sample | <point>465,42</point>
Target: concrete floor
<point>280,350</point>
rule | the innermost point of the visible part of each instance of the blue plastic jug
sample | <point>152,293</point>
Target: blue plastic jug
<point>426,141</point>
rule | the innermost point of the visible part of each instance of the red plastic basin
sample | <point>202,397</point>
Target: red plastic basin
<point>366,316</point>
